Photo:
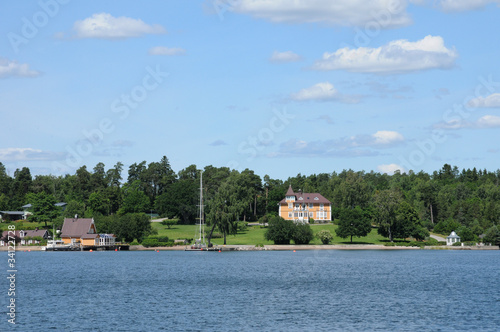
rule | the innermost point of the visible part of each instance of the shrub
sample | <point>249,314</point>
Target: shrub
<point>242,225</point>
<point>134,243</point>
<point>416,244</point>
<point>457,244</point>
<point>311,220</point>
<point>150,242</point>
<point>325,236</point>
<point>169,222</point>
<point>162,238</point>
<point>302,234</point>
<point>431,242</point>
<point>280,231</point>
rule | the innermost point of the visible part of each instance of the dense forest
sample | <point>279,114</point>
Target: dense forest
<point>448,199</point>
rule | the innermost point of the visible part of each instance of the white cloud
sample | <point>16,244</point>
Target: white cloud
<point>14,69</point>
<point>384,13</point>
<point>396,57</point>
<point>492,100</point>
<point>354,146</point>
<point>320,92</point>
<point>28,154</point>
<point>385,137</point>
<point>463,5</point>
<point>281,57</point>
<point>105,26</point>
<point>488,121</point>
<point>484,122</point>
<point>161,50</point>
<point>390,168</point>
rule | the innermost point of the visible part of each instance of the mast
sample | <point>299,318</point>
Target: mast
<point>202,234</point>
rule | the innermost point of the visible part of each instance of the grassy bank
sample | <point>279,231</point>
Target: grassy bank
<point>255,235</point>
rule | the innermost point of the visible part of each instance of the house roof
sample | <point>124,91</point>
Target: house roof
<point>76,227</point>
<point>453,235</point>
<point>89,236</point>
<point>31,233</point>
<point>38,232</point>
<point>12,212</point>
<point>290,191</point>
<point>301,197</point>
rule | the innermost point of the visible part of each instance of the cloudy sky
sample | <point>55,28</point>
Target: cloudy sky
<point>281,87</point>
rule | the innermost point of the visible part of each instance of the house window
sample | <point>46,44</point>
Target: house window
<point>322,206</point>
<point>290,206</point>
<point>311,214</point>
<point>290,214</point>
<point>300,198</point>
<point>316,198</point>
<point>311,205</point>
<point>297,206</point>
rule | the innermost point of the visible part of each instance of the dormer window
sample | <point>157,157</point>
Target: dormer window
<point>315,198</point>
<point>300,198</point>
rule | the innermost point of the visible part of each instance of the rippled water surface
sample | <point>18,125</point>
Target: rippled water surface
<point>418,290</point>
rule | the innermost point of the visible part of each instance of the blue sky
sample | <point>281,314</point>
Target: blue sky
<point>280,87</point>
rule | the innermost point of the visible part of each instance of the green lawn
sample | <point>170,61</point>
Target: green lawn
<point>255,235</point>
<point>21,225</point>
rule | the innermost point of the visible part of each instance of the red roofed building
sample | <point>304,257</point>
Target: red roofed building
<point>302,206</point>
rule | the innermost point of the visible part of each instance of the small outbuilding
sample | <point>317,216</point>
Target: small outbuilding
<point>452,238</point>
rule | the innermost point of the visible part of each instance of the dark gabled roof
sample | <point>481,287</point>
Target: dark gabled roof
<point>290,191</point>
<point>31,233</point>
<point>89,236</point>
<point>38,232</point>
<point>76,227</point>
<point>305,197</point>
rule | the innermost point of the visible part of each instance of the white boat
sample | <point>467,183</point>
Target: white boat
<point>56,245</point>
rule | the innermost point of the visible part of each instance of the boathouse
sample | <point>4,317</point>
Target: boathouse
<point>80,231</point>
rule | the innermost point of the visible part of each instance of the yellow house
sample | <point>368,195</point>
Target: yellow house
<point>79,231</point>
<point>302,206</point>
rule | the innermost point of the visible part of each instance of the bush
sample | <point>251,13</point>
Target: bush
<point>150,242</point>
<point>242,225</point>
<point>311,220</point>
<point>169,222</point>
<point>302,234</point>
<point>280,231</point>
<point>153,242</point>
<point>325,236</point>
<point>431,242</point>
<point>134,243</point>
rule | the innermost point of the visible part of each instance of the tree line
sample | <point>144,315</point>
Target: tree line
<point>401,205</point>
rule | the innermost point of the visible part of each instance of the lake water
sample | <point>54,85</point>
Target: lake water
<point>421,290</point>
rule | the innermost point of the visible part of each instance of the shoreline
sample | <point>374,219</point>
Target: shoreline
<point>287,247</point>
